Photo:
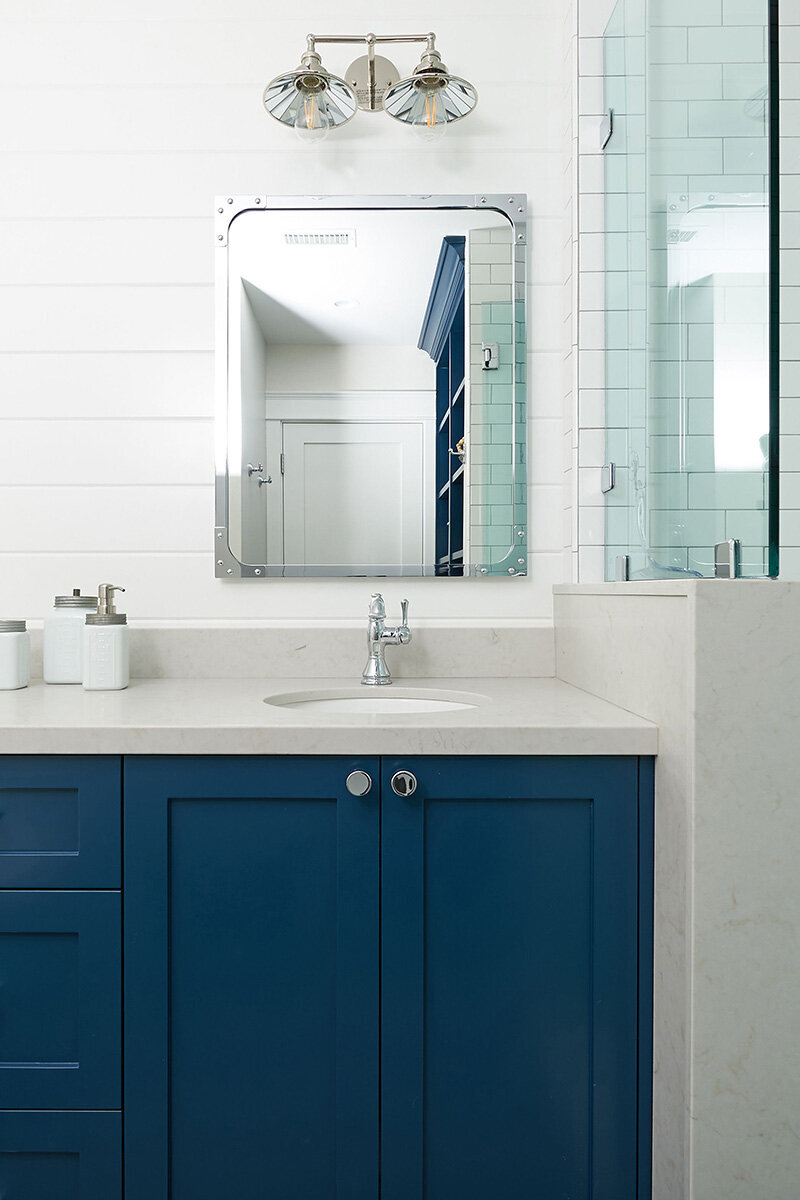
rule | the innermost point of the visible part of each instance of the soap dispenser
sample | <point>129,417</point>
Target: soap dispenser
<point>106,649</point>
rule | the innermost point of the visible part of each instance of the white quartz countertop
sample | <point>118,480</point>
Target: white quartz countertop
<point>229,716</point>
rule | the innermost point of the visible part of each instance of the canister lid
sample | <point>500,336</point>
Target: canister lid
<point>114,618</point>
<point>12,626</point>
<point>76,600</point>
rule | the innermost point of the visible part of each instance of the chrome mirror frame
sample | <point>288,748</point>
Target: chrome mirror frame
<point>226,210</point>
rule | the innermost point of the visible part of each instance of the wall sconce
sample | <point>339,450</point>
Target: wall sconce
<point>312,101</point>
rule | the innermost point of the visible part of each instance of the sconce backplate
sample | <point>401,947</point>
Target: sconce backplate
<point>370,99</point>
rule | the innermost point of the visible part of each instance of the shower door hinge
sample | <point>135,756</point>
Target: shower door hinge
<point>491,356</point>
<point>727,559</point>
<point>606,128</point>
<point>622,571</point>
<point>608,477</point>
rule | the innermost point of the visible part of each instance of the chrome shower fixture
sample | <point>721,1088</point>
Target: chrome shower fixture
<point>312,101</point>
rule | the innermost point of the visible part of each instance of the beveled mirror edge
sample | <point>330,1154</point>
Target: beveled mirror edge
<point>514,206</point>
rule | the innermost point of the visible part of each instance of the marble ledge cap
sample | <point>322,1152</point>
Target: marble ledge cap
<point>333,650</point>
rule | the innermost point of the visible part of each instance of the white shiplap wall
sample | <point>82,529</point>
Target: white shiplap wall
<point>121,121</point>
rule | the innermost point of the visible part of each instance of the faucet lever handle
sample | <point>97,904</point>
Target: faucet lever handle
<point>404,610</point>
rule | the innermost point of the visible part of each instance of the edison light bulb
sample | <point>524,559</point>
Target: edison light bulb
<point>313,122</point>
<point>427,115</point>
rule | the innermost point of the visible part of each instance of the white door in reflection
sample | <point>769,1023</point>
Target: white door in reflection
<point>353,493</point>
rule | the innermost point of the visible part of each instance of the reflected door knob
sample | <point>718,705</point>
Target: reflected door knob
<point>404,783</point>
<point>359,783</point>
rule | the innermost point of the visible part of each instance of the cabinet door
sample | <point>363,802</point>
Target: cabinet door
<point>251,980</point>
<point>60,1155</point>
<point>509,980</point>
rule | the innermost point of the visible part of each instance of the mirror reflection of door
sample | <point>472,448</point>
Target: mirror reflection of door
<point>353,493</point>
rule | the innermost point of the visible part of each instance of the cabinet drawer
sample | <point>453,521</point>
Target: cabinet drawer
<point>60,1156</point>
<point>60,822</point>
<point>60,1007</point>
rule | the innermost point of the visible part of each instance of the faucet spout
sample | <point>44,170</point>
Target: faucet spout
<point>376,673</point>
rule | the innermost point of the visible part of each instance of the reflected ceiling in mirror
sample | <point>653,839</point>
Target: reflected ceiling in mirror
<point>371,417</point>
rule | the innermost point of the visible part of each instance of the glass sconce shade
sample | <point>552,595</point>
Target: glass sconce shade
<point>310,101</point>
<point>430,100</point>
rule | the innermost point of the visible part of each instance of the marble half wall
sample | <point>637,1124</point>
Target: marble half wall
<point>717,665</point>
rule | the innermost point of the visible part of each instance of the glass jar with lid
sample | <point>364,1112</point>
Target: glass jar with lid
<point>15,655</point>
<point>63,638</point>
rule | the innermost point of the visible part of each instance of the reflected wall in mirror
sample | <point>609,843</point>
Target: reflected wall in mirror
<point>371,417</point>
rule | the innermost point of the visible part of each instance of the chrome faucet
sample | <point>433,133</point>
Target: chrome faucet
<point>376,673</point>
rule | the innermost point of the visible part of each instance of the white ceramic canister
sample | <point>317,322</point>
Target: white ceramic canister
<point>15,655</point>
<point>106,646</point>
<point>63,637</point>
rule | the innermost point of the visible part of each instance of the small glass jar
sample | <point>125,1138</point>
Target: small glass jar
<point>15,655</point>
<point>63,638</point>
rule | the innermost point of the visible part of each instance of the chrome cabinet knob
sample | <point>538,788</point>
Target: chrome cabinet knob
<point>359,783</point>
<point>404,783</point>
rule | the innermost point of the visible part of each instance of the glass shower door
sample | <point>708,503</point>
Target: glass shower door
<point>690,406</point>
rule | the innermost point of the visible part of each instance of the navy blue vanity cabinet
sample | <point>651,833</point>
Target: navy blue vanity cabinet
<point>60,978</point>
<point>498,1043</point>
<point>251,979</point>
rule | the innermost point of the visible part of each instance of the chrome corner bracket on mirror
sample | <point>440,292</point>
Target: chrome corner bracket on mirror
<point>288,282</point>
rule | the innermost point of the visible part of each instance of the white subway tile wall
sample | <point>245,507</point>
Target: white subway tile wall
<point>124,121</point>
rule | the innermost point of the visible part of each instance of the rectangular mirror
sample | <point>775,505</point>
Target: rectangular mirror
<point>371,386</point>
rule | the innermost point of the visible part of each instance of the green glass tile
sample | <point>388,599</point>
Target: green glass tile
<point>749,526</point>
<point>727,489</point>
<point>669,118</point>
<point>617,402</point>
<point>620,526</point>
<point>497,536</point>
<point>683,12</point>
<point>617,446</point>
<point>500,414</point>
<point>617,290</point>
<point>692,81</point>
<point>745,155</point>
<point>676,453</point>
<point>725,118</point>
<point>686,527</point>
<point>669,45</point>
<point>691,155</point>
<point>500,333</point>
<point>669,490</point>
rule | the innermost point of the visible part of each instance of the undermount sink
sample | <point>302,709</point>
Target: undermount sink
<point>376,700</point>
